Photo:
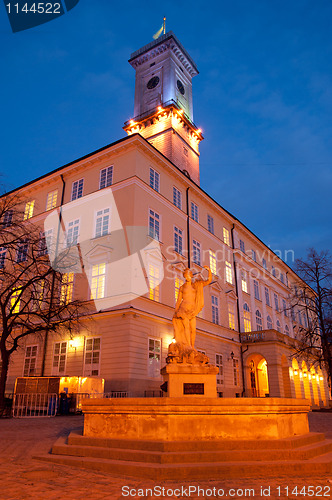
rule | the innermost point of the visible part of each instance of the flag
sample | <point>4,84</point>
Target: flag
<point>159,32</point>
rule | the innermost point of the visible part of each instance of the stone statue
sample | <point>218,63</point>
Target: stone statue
<point>189,303</point>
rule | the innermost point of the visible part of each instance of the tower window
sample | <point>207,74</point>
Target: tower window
<point>153,82</point>
<point>180,87</point>
<point>154,179</point>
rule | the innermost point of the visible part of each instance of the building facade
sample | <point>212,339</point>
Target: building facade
<point>137,213</point>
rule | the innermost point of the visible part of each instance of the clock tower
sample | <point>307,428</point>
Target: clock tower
<point>163,110</point>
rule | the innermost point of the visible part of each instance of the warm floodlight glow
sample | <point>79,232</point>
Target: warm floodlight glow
<point>160,108</point>
<point>305,374</point>
<point>290,372</point>
<point>321,378</point>
<point>132,122</point>
<point>199,130</point>
<point>75,343</point>
<point>296,372</point>
<point>181,111</point>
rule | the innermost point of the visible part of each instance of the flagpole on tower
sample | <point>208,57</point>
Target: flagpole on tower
<point>164,25</point>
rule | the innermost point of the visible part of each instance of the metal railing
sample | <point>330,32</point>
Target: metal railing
<point>85,395</point>
<point>35,405</point>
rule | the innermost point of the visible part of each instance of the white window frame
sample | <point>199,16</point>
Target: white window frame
<point>213,262</point>
<point>246,318</point>
<point>267,296</point>
<point>155,216</point>
<point>59,357</point>
<point>90,368</point>
<point>22,251</point>
<point>276,302</point>
<point>228,272</point>
<point>244,282</point>
<point>108,177</point>
<point>215,309</point>
<point>242,246</point>
<point>28,210</point>
<point>177,198</point>
<point>231,316</point>
<point>153,279</point>
<point>71,229</point>
<point>256,290</point>
<point>51,201</point>
<point>196,252</point>
<point>210,223</point>
<point>259,320</point>
<point>28,359</point>
<point>154,357</point>
<point>45,241</point>
<point>178,240</point>
<point>236,372</point>
<point>269,323</point>
<point>100,214</point>
<point>99,280</point>
<point>219,365</point>
<point>76,188</point>
<point>154,180</point>
<point>194,211</point>
<point>67,288</point>
<point>226,236</point>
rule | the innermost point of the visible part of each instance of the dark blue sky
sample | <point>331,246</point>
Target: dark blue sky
<point>263,99</point>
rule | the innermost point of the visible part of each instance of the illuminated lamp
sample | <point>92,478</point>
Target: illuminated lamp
<point>309,376</point>
<point>132,122</point>
<point>199,131</point>
<point>321,378</point>
<point>181,111</point>
<point>317,378</point>
<point>160,108</point>
<point>74,343</point>
<point>305,374</point>
<point>290,372</point>
<point>296,372</point>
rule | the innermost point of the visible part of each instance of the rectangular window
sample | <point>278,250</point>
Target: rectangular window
<point>28,211</point>
<point>213,262</point>
<point>231,317</point>
<point>66,291</point>
<point>276,303</point>
<point>7,219</point>
<point>284,306</point>
<point>178,240</point>
<point>22,251</point>
<point>154,224</point>
<point>72,233</point>
<point>267,297</point>
<point>196,252</point>
<point>102,222</point>
<point>264,263</point>
<point>178,284</point>
<point>77,189</point>
<point>282,279</point>
<point>3,252</point>
<point>98,281</point>
<point>51,201</point>
<point>226,236</point>
<point>229,275</point>
<point>154,179</point>
<point>92,357</point>
<point>177,198</point>
<point>194,211</point>
<point>215,309</point>
<point>45,242</point>
<point>154,358</point>
<point>106,177</point>
<point>236,372</point>
<point>30,361</point>
<point>273,271</point>
<point>210,223</point>
<point>244,283</point>
<point>256,290</point>
<point>154,277</point>
<point>59,358</point>
<point>220,373</point>
<point>253,255</point>
<point>15,301</point>
<point>242,247</point>
<point>38,295</point>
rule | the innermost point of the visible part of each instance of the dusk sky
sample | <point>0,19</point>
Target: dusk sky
<point>263,99</point>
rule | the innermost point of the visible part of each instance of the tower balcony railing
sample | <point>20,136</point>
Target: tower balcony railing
<point>152,111</point>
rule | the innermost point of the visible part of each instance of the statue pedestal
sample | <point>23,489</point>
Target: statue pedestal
<point>185,380</point>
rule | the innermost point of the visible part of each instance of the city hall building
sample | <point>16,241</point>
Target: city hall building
<point>137,210</point>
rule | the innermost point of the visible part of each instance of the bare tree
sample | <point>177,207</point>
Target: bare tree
<point>35,296</point>
<point>312,302</point>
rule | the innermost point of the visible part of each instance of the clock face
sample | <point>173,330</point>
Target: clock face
<point>180,87</point>
<point>153,82</point>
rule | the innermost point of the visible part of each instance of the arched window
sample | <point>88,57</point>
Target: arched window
<point>278,326</point>
<point>246,318</point>
<point>286,330</point>
<point>269,323</point>
<point>259,324</point>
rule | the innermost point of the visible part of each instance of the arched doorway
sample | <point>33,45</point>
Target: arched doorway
<point>258,376</point>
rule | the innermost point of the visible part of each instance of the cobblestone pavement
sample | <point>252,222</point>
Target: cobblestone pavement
<point>23,478</point>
